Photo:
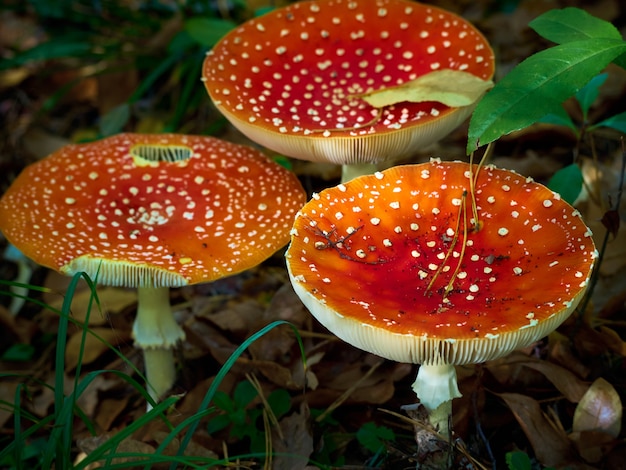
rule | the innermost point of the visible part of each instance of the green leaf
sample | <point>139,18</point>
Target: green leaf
<point>518,461</point>
<point>371,436</point>
<point>114,121</point>
<point>280,402</point>
<point>617,122</point>
<point>53,49</point>
<point>572,24</point>
<point>207,31</point>
<point>568,182</point>
<point>18,352</point>
<point>181,42</point>
<point>218,423</point>
<point>537,87</point>
<point>283,161</point>
<point>559,117</point>
<point>589,93</point>
<point>453,88</point>
<point>223,402</point>
<point>239,418</point>
<point>621,61</point>
<point>244,394</point>
<point>263,10</point>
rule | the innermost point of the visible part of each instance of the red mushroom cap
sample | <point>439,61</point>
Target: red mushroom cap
<point>288,79</point>
<point>151,210</point>
<point>388,262</point>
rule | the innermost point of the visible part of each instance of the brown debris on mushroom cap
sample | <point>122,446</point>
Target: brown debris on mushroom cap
<point>363,255</point>
<point>151,210</point>
<point>288,79</point>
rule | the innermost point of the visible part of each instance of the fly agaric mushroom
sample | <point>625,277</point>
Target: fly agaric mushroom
<point>290,80</point>
<point>152,212</point>
<point>419,264</point>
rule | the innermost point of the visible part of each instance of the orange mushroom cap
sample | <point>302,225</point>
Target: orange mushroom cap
<point>151,210</point>
<point>289,79</point>
<point>392,264</point>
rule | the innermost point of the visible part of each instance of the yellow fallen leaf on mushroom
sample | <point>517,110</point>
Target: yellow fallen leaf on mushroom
<point>453,88</point>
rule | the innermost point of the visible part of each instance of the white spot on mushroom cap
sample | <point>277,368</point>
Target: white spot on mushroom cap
<point>335,109</point>
<point>138,196</point>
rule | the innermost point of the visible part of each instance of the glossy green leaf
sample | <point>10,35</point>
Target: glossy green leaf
<point>568,182</point>
<point>617,122</point>
<point>537,87</point>
<point>559,117</point>
<point>573,24</point>
<point>207,31</point>
<point>589,93</point>
<point>621,61</point>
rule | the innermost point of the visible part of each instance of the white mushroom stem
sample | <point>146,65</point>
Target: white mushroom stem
<point>160,371</point>
<point>349,172</point>
<point>436,387</point>
<point>156,332</point>
<point>24,273</point>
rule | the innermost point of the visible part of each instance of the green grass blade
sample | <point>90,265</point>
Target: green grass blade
<point>194,421</point>
<point>107,449</point>
<point>538,86</point>
<point>10,448</point>
<point>53,49</point>
<point>17,427</point>
<point>190,71</point>
<point>151,79</point>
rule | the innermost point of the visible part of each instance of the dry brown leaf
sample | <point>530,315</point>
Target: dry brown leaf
<point>592,445</point>
<point>296,446</point>
<point>238,318</point>
<point>191,449</point>
<point>561,353</point>
<point>112,300</point>
<point>613,340</point>
<point>277,374</point>
<point>509,369</point>
<point>207,337</point>
<point>89,444</point>
<point>7,395</point>
<point>42,402</point>
<point>18,327</point>
<point>549,442</point>
<point>565,381</point>
<point>109,410</point>
<point>90,399</point>
<point>600,409</point>
<point>93,347</point>
<point>453,88</point>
